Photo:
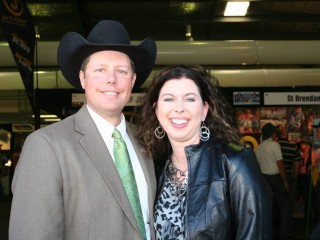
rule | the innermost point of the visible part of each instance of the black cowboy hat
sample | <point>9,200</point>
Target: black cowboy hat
<point>106,35</point>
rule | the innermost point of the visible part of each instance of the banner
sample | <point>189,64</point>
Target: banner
<point>18,29</point>
<point>292,98</point>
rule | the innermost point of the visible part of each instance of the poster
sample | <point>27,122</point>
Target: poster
<point>246,98</point>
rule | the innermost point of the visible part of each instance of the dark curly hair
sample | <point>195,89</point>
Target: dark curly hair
<point>219,118</point>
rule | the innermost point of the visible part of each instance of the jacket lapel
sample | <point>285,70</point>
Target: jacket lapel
<point>98,153</point>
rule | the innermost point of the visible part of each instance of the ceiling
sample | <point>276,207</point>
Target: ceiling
<point>268,22</point>
<point>168,20</point>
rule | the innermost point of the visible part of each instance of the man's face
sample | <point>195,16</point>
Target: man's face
<point>108,80</point>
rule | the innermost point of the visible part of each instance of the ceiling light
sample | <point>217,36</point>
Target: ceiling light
<point>52,119</point>
<point>189,33</point>
<point>236,9</point>
<point>188,7</point>
<point>37,32</point>
<point>47,116</point>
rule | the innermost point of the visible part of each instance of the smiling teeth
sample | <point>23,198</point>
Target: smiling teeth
<point>179,121</point>
<point>110,93</point>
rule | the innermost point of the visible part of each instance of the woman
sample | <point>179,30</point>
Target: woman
<point>305,187</point>
<point>209,187</point>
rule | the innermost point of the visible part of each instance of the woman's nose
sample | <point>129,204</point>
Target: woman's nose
<point>179,107</point>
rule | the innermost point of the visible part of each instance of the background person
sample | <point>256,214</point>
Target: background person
<point>270,160</point>
<point>66,184</point>
<point>305,186</point>
<point>208,186</point>
<point>14,161</point>
<point>291,160</point>
<point>3,173</point>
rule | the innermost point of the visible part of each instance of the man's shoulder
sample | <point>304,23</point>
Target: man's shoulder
<point>276,145</point>
<point>58,128</point>
<point>267,144</point>
<point>285,143</point>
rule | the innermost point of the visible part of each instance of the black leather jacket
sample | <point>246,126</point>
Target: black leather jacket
<point>227,196</point>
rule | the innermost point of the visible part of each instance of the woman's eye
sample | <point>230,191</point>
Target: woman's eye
<point>168,99</point>
<point>190,100</point>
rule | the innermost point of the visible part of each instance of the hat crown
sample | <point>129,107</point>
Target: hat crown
<point>107,35</point>
<point>109,32</point>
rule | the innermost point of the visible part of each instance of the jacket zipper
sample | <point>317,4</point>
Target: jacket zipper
<point>187,198</point>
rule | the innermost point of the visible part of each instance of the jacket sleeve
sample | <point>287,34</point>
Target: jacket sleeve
<point>37,205</point>
<point>250,198</point>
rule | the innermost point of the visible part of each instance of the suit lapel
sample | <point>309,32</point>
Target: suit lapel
<point>98,153</point>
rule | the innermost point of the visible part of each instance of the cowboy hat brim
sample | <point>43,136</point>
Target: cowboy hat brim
<point>74,49</point>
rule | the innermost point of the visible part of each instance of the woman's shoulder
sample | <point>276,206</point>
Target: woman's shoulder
<point>235,147</point>
<point>225,147</point>
<point>235,153</point>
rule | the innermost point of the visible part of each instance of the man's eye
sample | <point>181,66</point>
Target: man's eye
<point>123,72</point>
<point>99,70</point>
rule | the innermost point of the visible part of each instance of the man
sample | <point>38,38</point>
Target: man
<point>66,185</point>
<point>291,160</point>
<point>270,160</point>
<point>3,173</point>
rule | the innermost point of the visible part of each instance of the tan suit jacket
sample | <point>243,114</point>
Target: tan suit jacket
<point>67,187</point>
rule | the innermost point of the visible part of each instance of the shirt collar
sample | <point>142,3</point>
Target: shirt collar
<point>105,126</point>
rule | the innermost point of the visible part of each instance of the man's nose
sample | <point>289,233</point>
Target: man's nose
<point>111,77</point>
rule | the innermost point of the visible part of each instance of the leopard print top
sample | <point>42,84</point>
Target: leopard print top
<point>170,213</point>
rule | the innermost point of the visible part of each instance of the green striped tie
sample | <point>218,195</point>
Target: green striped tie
<point>124,167</point>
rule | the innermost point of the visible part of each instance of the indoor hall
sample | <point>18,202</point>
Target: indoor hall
<point>266,61</point>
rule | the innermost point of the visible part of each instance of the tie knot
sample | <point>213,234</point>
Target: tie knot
<point>116,134</point>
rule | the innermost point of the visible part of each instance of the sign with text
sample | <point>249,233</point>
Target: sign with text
<point>291,98</point>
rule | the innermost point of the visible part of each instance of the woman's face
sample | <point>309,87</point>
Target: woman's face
<point>180,110</point>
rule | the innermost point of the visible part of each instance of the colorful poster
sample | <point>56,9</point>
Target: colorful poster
<point>246,98</point>
<point>248,120</point>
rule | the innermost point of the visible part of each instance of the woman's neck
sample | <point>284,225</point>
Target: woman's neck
<point>178,148</point>
<point>179,158</point>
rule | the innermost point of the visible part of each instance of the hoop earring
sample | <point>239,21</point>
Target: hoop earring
<point>159,132</point>
<point>204,132</point>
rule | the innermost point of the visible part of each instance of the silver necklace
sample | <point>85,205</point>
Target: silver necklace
<point>178,180</point>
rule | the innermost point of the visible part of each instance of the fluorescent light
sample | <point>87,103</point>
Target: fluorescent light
<point>236,9</point>
<point>47,116</point>
<point>52,119</point>
<point>8,164</point>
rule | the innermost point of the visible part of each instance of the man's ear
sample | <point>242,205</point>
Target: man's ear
<point>134,77</point>
<point>82,79</point>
